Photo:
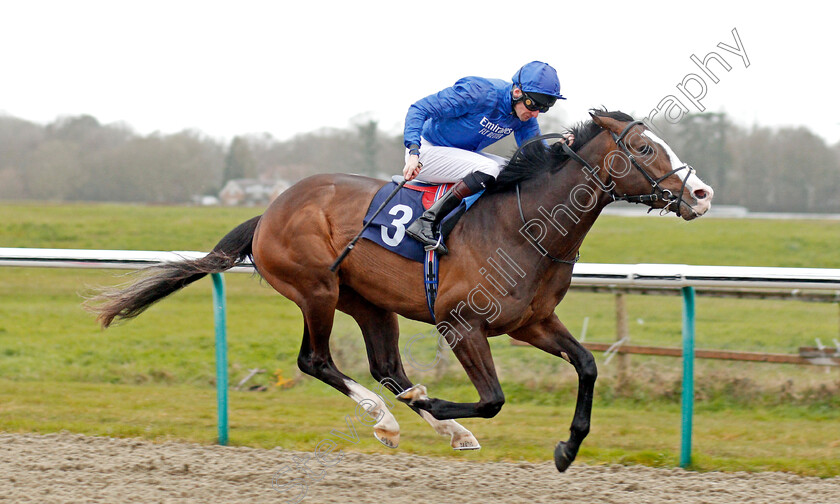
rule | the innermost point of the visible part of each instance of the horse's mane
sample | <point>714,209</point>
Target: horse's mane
<point>537,157</point>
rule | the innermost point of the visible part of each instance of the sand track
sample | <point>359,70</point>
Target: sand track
<point>65,468</point>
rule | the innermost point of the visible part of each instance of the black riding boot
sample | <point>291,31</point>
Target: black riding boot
<point>425,228</point>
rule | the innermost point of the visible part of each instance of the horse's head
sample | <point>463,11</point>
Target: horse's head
<point>646,170</point>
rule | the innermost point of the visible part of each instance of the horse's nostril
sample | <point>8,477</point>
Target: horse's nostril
<point>701,194</point>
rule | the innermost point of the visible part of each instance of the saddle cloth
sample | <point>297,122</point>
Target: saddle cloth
<point>388,228</point>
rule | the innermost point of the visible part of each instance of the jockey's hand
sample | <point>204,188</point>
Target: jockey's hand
<point>568,139</point>
<point>412,167</point>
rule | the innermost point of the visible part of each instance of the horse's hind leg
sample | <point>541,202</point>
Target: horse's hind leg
<point>552,336</point>
<point>318,305</point>
<point>381,334</point>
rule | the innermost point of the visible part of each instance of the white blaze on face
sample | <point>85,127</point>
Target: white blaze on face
<point>701,192</point>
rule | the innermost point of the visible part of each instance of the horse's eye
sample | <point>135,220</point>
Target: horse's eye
<point>645,150</point>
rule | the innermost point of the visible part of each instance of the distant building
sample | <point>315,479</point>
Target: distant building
<point>205,200</point>
<point>251,192</point>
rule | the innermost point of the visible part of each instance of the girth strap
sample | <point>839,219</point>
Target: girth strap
<point>430,267</point>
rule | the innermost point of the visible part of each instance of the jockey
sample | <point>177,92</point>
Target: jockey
<point>445,132</point>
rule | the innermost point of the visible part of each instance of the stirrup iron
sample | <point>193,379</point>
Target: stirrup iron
<point>436,246</point>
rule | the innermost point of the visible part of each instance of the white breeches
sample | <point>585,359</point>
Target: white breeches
<point>449,164</point>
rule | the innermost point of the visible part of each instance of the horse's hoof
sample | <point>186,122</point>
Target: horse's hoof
<point>562,458</point>
<point>465,441</point>
<point>389,439</point>
<point>415,393</point>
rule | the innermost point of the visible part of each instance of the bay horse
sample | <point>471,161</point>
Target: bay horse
<point>510,264</point>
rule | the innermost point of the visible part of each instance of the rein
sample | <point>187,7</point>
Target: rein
<point>555,259</point>
<point>519,198</point>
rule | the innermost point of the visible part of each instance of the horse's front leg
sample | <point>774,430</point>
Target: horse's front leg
<point>473,351</point>
<point>552,336</point>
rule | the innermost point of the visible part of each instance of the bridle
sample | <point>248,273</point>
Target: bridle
<point>658,192</point>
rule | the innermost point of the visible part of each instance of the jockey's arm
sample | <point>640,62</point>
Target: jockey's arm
<point>529,130</point>
<point>450,102</point>
<point>523,135</point>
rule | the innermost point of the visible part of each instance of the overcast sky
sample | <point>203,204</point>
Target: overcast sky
<point>292,67</point>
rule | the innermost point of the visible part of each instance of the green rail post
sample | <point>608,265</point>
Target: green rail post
<point>688,375</point>
<point>221,356</point>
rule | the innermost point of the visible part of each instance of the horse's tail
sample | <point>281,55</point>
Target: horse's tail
<point>164,279</point>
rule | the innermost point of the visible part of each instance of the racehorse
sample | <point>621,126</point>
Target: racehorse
<point>510,264</point>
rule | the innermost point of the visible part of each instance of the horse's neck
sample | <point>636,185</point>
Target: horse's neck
<point>514,257</point>
<point>562,206</point>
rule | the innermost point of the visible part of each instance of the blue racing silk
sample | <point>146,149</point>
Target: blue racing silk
<point>470,115</point>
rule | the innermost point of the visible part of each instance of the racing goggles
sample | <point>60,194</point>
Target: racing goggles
<point>538,102</point>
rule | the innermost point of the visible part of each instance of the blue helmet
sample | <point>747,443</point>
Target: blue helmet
<point>538,77</point>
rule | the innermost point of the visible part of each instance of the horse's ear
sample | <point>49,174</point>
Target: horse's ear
<point>607,123</point>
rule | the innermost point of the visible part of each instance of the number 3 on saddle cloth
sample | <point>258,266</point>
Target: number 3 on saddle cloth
<point>388,228</point>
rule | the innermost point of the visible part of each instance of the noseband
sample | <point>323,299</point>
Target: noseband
<point>658,193</point>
